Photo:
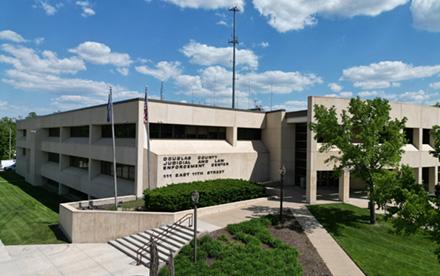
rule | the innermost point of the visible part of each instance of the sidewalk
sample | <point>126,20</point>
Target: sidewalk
<point>338,262</point>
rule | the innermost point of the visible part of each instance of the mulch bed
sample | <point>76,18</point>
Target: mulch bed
<point>291,233</point>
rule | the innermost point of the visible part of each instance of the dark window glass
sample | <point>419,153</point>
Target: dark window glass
<point>24,132</point>
<point>122,171</point>
<point>53,157</point>
<point>168,131</point>
<point>81,131</point>
<point>426,136</point>
<point>409,135</point>
<point>249,134</point>
<point>79,162</point>
<point>54,132</point>
<point>23,152</point>
<point>121,131</point>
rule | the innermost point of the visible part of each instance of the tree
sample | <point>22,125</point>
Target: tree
<point>31,115</point>
<point>7,126</point>
<point>369,141</point>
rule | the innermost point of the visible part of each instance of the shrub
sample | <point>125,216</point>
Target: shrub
<point>177,197</point>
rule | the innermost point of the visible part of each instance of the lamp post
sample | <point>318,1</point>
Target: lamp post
<point>195,199</point>
<point>282,174</point>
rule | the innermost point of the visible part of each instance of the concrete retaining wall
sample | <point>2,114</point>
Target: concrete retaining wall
<point>95,226</point>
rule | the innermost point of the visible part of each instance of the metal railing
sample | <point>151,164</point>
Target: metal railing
<point>162,235</point>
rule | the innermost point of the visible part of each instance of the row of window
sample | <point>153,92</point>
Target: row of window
<point>122,171</point>
<point>170,131</point>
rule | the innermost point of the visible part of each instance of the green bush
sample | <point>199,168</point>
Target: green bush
<point>177,197</point>
<point>251,251</point>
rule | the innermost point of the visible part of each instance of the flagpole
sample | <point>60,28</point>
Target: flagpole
<point>147,132</point>
<point>115,177</point>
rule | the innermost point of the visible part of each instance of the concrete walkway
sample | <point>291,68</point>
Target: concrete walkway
<point>338,262</point>
<point>68,259</point>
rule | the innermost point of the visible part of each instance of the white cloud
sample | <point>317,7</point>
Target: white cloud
<point>425,14</point>
<point>27,60</point>
<point>11,36</point>
<point>222,23</point>
<point>292,105</point>
<point>435,85</point>
<point>86,7</point>
<point>207,4</point>
<point>162,70</point>
<point>335,87</point>
<point>39,40</point>
<point>371,94</point>
<point>264,44</point>
<point>420,96</point>
<point>287,15</point>
<point>386,74</point>
<point>99,53</point>
<point>342,94</point>
<point>48,8</point>
<point>206,55</point>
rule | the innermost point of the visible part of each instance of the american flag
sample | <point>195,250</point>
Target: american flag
<point>146,107</point>
<point>109,106</point>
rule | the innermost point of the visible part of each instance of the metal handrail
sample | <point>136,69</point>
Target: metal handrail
<point>163,234</point>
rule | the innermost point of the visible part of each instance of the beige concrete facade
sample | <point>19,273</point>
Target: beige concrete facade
<point>285,139</point>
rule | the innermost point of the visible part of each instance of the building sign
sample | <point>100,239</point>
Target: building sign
<point>193,166</point>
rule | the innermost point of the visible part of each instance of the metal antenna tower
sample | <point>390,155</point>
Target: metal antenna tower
<point>161,90</point>
<point>234,42</point>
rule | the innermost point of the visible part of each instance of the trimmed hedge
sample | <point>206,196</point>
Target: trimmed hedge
<point>177,197</point>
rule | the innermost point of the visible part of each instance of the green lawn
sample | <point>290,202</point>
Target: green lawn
<point>28,215</point>
<point>248,248</point>
<point>377,249</point>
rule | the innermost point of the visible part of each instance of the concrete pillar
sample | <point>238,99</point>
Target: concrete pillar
<point>344,185</point>
<point>418,175</point>
<point>231,135</point>
<point>433,179</point>
<point>311,187</point>
<point>62,190</point>
<point>418,137</point>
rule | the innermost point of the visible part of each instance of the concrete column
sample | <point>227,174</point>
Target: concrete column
<point>418,175</point>
<point>231,135</point>
<point>433,178</point>
<point>64,134</point>
<point>62,190</point>
<point>141,178</point>
<point>418,138</point>
<point>311,187</point>
<point>344,185</point>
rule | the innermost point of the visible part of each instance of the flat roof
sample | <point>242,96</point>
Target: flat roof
<point>156,101</point>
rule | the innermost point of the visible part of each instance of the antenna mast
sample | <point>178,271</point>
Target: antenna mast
<point>161,90</point>
<point>234,42</point>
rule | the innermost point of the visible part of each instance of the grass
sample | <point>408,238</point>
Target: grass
<point>250,249</point>
<point>377,249</point>
<point>28,214</point>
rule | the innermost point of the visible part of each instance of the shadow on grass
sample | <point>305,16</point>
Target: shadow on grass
<point>45,197</point>
<point>332,218</point>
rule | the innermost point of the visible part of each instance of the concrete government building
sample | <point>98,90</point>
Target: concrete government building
<point>72,151</point>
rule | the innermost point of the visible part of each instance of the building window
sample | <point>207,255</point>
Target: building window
<point>53,157</point>
<point>81,131</point>
<point>54,132</point>
<point>121,131</point>
<point>249,134</point>
<point>409,135</point>
<point>169,131</point>
<point>122,171</point>
<point>79,162</point>
<point>426,136</point>
<point>24,132</point>
<point>23,152</point>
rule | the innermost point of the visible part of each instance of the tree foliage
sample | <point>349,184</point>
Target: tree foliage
<point>367,139</point>
<point>7,125</point>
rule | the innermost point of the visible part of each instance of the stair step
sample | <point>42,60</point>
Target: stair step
<point>176,238</point>
<point>165,253</point>
<point>134,248</point>
<point>128,252</point>
<point>167,240</point>
<point>175,232</point>
<point>163,244</point>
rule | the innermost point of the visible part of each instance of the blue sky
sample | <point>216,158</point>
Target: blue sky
<point>58,55</point>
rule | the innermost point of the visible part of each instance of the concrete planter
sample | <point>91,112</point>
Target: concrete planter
<point>95,226</point>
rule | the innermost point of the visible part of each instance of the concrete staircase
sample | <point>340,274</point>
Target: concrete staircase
<point>169,238</point>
